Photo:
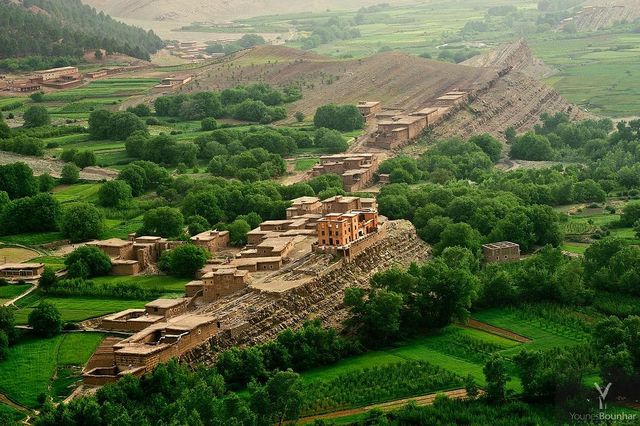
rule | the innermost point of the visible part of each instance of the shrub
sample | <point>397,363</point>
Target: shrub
<point>70,174</point>
<point>81,222</point>
<point>97,263</point>
<point>183,261</point>
<point>45,320</point>
<point>115,193</point>
<point>36,116</point>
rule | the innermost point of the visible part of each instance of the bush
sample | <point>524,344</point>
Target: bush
<point>4,345</point>
<point>45,320</point>
<point>82,222</point>
<point>70,174</point>
<point>209,124</point>
<point>330,140</point>
<point>36,116</point>
<point>163,221</point>
<point>115,193</point>
<point>96,262</point>
<point>183,261</point>
<point>345,118</point>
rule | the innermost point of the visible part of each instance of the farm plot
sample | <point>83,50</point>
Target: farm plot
<point>163,283</point>
<point>547,327</point>
<point>453,350</point>
<point>16,254</point>
<point>363,387</point>
<point>75,308</point>
<point>32,363</point>
<point>87,193</point>
<point>10,292</point>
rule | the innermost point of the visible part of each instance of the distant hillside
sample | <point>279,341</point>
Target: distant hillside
<point>398,80</point>
<point>219,10</point>
<point>517,55</point>
<point>598,14</point>
<point>67,28</point>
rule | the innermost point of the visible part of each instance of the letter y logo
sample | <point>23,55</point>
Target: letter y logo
<point>603,394</point>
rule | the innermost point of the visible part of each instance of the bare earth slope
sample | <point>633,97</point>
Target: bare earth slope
<point>398,80</point>
<point>502,97</point>
<point>604,13</point>
<point>266,314</point>
<point>517,55</point>
<point>218,10</point>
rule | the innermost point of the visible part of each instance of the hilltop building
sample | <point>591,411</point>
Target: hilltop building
<point>357,170</point>
<point>369,109</point>
<point>504,251</point>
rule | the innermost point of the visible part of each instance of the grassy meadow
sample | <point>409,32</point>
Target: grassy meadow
<point>31,365</point>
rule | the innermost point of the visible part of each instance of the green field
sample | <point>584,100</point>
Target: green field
<point>454,349</point>
<point>75,308</point>
<point>31,364</point>
<point>9,292</point>
<point>162,283</point>
<point>87,193</point>
<point>304,164</point>
<point>6,410</point>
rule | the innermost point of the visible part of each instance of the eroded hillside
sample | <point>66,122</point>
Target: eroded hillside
<point>503,96</point>
<point>260,316</point>
<point>599,14</point>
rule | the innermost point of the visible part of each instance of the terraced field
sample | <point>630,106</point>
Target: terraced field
<point>30,367</point>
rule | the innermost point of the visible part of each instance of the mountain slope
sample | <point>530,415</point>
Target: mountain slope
<point>598,14</point>
<point>517,55</point>
<point>399,81</point>
<point>218,10</point>
<point>67,28</point>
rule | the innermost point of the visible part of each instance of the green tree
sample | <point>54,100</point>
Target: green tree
<point>460,235</point>
<point>5,131</point>
<point>197,224</point>
<point>115,193</point>
<point>531,146</point>
<point>279,399</point>
<point>238,230</point>
<point>82,222</point>
<point>183,261</point>
<point>45,320</point>
<point>4,348</point>
<point>48,279</point>
<point>36,116</point>
<point>46,183</point>
<point>163,221</point>
<point>490,145</point>
<point>8,323</point>
<point>96,262</point>
<point>84,159</point>
<point>208,124</point>
<point>377,318</point>
<point>344,118</point>
<point>495,373</point>
<point>37,97</point>
<point>299,116</point>
<point>70,174</point>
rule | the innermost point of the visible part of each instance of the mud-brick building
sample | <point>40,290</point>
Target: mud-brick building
<point>399,130</point>
<point>504,251</point>
<point>223,282</point>
<point>304,205</point>
<point>134,320</point>
<point>56,73</point>
<point>155,344</point>
<point>21,271</point>
<point>369,109</point>
<point>342,229</point>
<point>211,241</point>
<point>357,170</point>
<point>344,204</point>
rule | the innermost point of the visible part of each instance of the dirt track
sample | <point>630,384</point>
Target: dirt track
<point>41,166</point>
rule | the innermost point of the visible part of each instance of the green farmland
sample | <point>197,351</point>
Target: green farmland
<point>29,369</point>
<point>75,308</point>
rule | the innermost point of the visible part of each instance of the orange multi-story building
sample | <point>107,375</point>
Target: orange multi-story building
<point>342,229</point>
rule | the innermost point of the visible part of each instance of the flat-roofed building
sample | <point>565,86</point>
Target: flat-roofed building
<point>170,82</point>
<point>56,73</point>
<point>223,282</point>
<point>167,308</point>
<point>25,86</point>
<point>369,109</point>
<point>342,229</point>
<point>504,251</point>
<point>304,205</point>
<point>21,271</point>
<point>357,170</point>
<point>212,241</point>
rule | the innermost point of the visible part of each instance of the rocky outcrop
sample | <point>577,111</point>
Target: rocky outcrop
<point>598,14</point>
<point>257,317</point>
<point>517,56</point>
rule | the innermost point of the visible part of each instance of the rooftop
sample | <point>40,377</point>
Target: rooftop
<point>21,266</point>
<point>501,244</point>
<point>368,104</point>
<point>112,242</point>
<point>166,303</point>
